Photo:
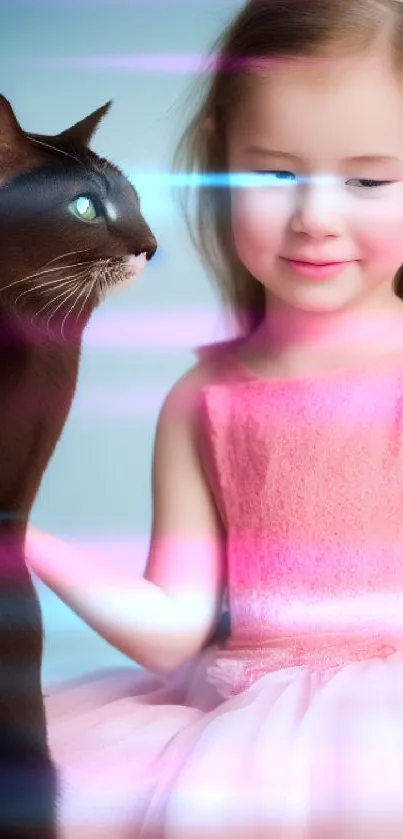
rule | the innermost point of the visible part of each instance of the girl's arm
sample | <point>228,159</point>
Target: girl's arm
<point>164,618</point>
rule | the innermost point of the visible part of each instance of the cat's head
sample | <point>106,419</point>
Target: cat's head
<point>71,227</point>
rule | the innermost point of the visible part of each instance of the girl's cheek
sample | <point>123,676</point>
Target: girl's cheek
<point>389,246</point>
<point>258,211</point>
<point>257,234</point>
<point>380,229</point>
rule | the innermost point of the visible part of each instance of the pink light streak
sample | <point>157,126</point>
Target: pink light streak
<point>143,62</point>
<point>179,329</point>
<point>143,401</point>
<point>180,62</point>
<point>155,330</point>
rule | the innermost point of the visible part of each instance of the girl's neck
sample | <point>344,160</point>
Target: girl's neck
<point>307,342</point>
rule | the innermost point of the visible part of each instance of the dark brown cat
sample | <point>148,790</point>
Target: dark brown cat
<point>70,224</point>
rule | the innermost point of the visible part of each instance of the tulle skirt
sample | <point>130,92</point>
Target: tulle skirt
<point>227,750</point>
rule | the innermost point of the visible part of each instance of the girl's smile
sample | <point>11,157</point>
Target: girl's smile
<point>316,271</point>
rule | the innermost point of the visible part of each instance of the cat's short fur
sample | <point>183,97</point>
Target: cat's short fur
<point>69,222</point>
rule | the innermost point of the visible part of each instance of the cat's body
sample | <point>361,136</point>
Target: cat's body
<point>69,224</point>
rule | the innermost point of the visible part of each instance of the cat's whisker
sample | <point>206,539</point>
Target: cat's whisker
<point>90,265</point>
<point>62,302</point>
<point>42,273</point>
<point>69,312</point>
<point>53,148</point>
<point>53,300</point>
<point>55,283</point>
<point>57,268</point>
<point>51,284</point>
<point>103,288</point>
<point>90,289</point>
<point>83,290</point>
<point>69,253</point>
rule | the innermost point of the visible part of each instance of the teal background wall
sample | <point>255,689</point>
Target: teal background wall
<point>58,62</point>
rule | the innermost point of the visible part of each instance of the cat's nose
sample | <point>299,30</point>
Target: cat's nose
<point>150,247</point>
<point>144,242</point>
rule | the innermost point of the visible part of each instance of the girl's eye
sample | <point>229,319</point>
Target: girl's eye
<point>280,175</point>
<point>370,184</point>
<point>85,208</point>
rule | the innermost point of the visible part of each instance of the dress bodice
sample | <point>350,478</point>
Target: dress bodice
<point>308,477</point>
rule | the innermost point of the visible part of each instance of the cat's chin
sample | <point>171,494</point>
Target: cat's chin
<point>133,268</point>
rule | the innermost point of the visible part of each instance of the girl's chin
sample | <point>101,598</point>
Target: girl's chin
<point>316,298</point>
<point>319,302</point>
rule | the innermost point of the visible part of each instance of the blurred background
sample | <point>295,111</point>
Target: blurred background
<point>59,61</point>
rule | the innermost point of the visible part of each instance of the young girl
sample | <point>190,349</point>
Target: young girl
<point>278,473</point>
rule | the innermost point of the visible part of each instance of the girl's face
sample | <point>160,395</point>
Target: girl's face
<point>328,140</point>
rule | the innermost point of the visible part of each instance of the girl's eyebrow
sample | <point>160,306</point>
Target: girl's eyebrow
<point>362,158</point>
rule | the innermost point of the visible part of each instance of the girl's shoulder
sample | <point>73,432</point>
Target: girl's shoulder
<point>215,364</point>
<point>218,362</point>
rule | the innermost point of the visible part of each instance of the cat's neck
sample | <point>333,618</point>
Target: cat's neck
<point>38,375</point>
<point>24,331</point>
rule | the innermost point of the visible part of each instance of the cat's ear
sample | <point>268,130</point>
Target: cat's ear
<point>83,131</point>
<point>10,129</point>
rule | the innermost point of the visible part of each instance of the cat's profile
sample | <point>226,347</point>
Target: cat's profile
<point>70,228</point>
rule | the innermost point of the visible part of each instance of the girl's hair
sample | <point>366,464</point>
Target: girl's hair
<point>264,32</point>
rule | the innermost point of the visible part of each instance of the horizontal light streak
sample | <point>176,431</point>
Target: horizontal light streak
<point>168,62</point>
<point>180,62</point>
<point>156,329</point>
<point>132,399</point>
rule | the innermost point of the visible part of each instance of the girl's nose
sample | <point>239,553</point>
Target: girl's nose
<point>318,210</point>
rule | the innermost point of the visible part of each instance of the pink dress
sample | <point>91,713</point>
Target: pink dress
<point>293,730</point>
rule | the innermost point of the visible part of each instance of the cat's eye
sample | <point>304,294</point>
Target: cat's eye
<point>85,208</point>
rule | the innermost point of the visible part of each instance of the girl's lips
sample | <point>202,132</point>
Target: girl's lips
<point>316,271</point>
